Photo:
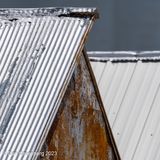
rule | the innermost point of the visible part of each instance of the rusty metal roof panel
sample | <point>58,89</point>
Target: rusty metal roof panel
<point>38,51</point>
<point>130,90</point>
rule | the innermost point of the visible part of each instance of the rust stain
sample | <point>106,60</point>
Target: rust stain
<point>79,131</point>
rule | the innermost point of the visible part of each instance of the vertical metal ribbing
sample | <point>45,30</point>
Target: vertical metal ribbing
<point>23,111</point>
<point>14,79</point>
<point>52,95</point>
<point>43,54</point>
<point>8,93</point>
<point>4,118</point>
<point>57,26</point>
<point>52,69</point>
<point>3,41</point>
<point>30,50</point>
<point>67,76</point>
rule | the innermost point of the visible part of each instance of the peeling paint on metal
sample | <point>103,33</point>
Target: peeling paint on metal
<point>79,130</point>
<point>4,85</point>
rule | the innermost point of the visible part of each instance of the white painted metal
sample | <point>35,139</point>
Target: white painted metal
<point>131,95</point>
<point>38,51</point>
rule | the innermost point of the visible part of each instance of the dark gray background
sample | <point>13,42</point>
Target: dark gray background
<point>123,24</point>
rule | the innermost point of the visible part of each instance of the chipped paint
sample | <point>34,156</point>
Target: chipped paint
<point>4,85</point>
<point>79,130</point>
<point>8,83</point>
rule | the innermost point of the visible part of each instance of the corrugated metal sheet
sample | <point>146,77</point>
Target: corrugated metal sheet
<point>38,51</point>
<point>130,91</point>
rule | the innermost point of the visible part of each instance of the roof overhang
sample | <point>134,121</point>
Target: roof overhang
<point>125,56</point>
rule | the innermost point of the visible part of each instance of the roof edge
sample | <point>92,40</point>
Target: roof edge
<point>108,128</point>
<point>50,11</point>
<point>125,56</point>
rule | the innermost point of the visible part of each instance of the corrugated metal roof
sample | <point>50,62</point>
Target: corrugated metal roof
<point>131,95</point>
<point>38,51</point>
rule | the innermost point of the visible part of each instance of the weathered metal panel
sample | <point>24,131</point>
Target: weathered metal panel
<point>79,131</point>
<point>130,89</point>
<point>38,51</point>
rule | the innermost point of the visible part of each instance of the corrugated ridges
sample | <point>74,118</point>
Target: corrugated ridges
<point>131,94</point>
<point>37,58</point>
<point>124,56</point>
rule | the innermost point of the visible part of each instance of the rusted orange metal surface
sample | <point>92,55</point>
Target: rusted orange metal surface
<point>79,130</point>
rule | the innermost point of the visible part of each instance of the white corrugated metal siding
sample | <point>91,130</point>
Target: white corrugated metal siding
<point>130,89</point>
<point>38,51</point>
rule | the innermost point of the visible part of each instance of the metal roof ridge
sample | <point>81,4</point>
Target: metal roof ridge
<point>50,11</point>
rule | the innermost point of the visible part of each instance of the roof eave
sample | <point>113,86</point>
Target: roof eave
<point>125,56</point>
